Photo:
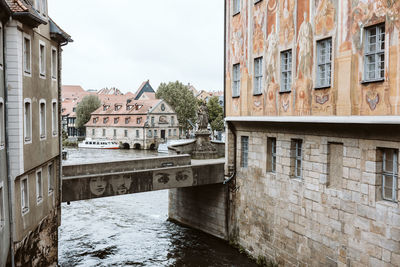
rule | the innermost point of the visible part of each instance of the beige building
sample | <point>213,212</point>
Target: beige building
<point>312,105</point>
<point>139,124</point>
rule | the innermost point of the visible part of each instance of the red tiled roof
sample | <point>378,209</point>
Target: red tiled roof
<point>121,121</point>
<point>146,105</point>
<point>17,5</point>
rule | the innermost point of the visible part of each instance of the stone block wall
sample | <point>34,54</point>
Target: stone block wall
<point>310,221</point>
<point>200,207</point>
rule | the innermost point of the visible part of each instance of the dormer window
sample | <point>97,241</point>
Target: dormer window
<point>117,107</point>
<point>128,107</point>
<point>95,120</point>
<point>139,120</point>
<point>116,120</point>
<point>105,120</point>
<point>105,107</point>
<point>127,120</point>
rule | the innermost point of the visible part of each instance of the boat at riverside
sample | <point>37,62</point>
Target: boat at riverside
<point>102,144</point>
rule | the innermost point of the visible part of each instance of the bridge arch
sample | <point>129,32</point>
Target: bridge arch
<point>153,146</point>
<point>126,146</point>
<point>136,146</point>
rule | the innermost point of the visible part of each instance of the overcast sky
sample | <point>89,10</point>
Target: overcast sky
<point>121,43</point>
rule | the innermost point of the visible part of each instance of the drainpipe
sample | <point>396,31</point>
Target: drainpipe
<point>7,142</point>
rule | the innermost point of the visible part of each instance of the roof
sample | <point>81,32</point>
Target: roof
<point>145,106</point>
<point>110,91</point>
<point>145,87</point>
<point>121,122</point>
<point>59,34</point>
<point>22,10</point>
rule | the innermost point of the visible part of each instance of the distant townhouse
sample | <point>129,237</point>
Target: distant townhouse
<point>30,53</point>
<point>139,124</point>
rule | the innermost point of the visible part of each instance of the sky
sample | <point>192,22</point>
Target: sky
<point>121,43</point>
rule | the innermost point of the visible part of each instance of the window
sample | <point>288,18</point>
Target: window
<point>236,80</point>
<point>50,176</point>
<point>126,133</point>
<point>374,53</point>
<point>271,154</point>
<point>42,59</point>
<point>296,158</point>
<point>389,174</point>
<point>127,120</point>
<point>115,132</point>
<point>94,120</point>
<point>27,120</point>
<point>42,118</point>
<point>54,117</point>
<point>116,120</point>
<point>1,46</point>
<point>245,151</point>
<point>174,132</point>
<point>104,132</point>
<point>286,71</point>
<point>152,121</point>
<point>236,7</point>
<point>2,124</point>
<point>105,120</point>
<point>137,133</point>
<point>93,132</point>
<point>43,7</point>
<point>172,121</point>
<point>150,133</point>
<point>27,55</point>
<point>24,195</point>
<point>53,63</point>
<point>138,120</point>
<point>1,206</point>
<point>155,133</point>
<point>335,165</point>
<point>258,76</point>
<point>169,132</point>
<point>39,187</point>
<point>324,58</point>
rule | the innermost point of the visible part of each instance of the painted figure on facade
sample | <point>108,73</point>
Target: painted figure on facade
<point>324,17</point>
<point>286,32</point>
<point>304,42</point>
<point>272,49</point>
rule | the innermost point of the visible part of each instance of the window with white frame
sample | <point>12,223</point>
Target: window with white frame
<point>42,59</point>
<point>137,133</point>
<point>27,120</point>
<point>2,124</point>
<point>271,154</point>
<point>50,177</point>
<point>244,151</point>
<point>236,6</point>
<point>115,132</point>
<point>169,132</point>
<point>43,7</point>
<point>174,132</point>
<point>54,117</point>
<point>389,174</point>
<point>236,80</point>
<point>374,53</point>
<point>258,76</point>
<point>150,133</point>
<point>42,118</point>
<point>2,219</point>
<point>155,133</point>
<point>27,54</point>
<point>93,132</point>
<point>172,120</point>
<point>39,186</point>
<point>126,133</point>
<point>297,158</point>
<point>286,71</point>
<point>324,59</point>
<point>53,63</point>
<point>104,132</point>
<point>24,195</point>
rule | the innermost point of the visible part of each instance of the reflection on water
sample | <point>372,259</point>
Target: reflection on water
<point>132,230</point>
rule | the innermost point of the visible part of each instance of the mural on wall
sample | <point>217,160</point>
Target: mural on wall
<point>325,16</point>
<point>258,27</point>
<point>286,21</point>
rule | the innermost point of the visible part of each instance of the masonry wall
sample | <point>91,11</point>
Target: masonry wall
<point>311,221</point>
<point>200,207</point>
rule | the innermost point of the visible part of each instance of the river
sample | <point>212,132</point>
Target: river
<point>133,230</point>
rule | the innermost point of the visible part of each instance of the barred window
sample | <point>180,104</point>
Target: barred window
<point>297,158</point>
<point>245,151</point>
<point>389,174</point>
<point>374,53</point>
<point>258,76</point>
<point>271,154</point>
<point>236,80</point>
<point>324,59</point>
<point>286,71</point>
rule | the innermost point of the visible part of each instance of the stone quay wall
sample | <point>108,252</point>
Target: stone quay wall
<point>314,221</point>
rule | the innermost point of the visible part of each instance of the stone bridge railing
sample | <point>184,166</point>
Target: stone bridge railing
<point>96,180</point>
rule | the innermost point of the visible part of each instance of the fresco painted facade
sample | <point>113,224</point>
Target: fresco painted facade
<point>309,153</point>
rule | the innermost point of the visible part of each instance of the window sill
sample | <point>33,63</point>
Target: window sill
<point>372,81</point>
<point>39,200</point>
<point>27,73</point>
<point>42,137</point>
<point>322,87</point>
<point>42,76</point>
<point>25,211</point>
<point>257,1</point>
<point>235,14</point>
<point>296,179</point>
<point>387,203</point>
<point>285,92</point>
<point>257,94</point>
<point>236,96</point>
<point>50,192</point>
<point>2,146</point>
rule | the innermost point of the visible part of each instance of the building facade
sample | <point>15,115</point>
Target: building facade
<point>139,124</point>
<point>312,106</point>
<point>29,133</point>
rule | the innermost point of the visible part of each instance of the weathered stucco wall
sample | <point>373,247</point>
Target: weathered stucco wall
<point>313,221</point>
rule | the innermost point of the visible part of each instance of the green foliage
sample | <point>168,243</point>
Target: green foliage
<point>181,100</point>
<point>88,104</point>
<point>64,135</point>
<point>67,143</point>
<point>215,114</point>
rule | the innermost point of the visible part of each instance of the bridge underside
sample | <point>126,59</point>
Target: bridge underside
<point>81,182</point>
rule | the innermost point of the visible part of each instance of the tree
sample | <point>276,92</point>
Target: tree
<point>181,100</point>
<point>215,114</point>
<point>88,104</point>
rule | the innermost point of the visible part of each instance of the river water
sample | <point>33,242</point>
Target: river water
<point>133,230</point>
